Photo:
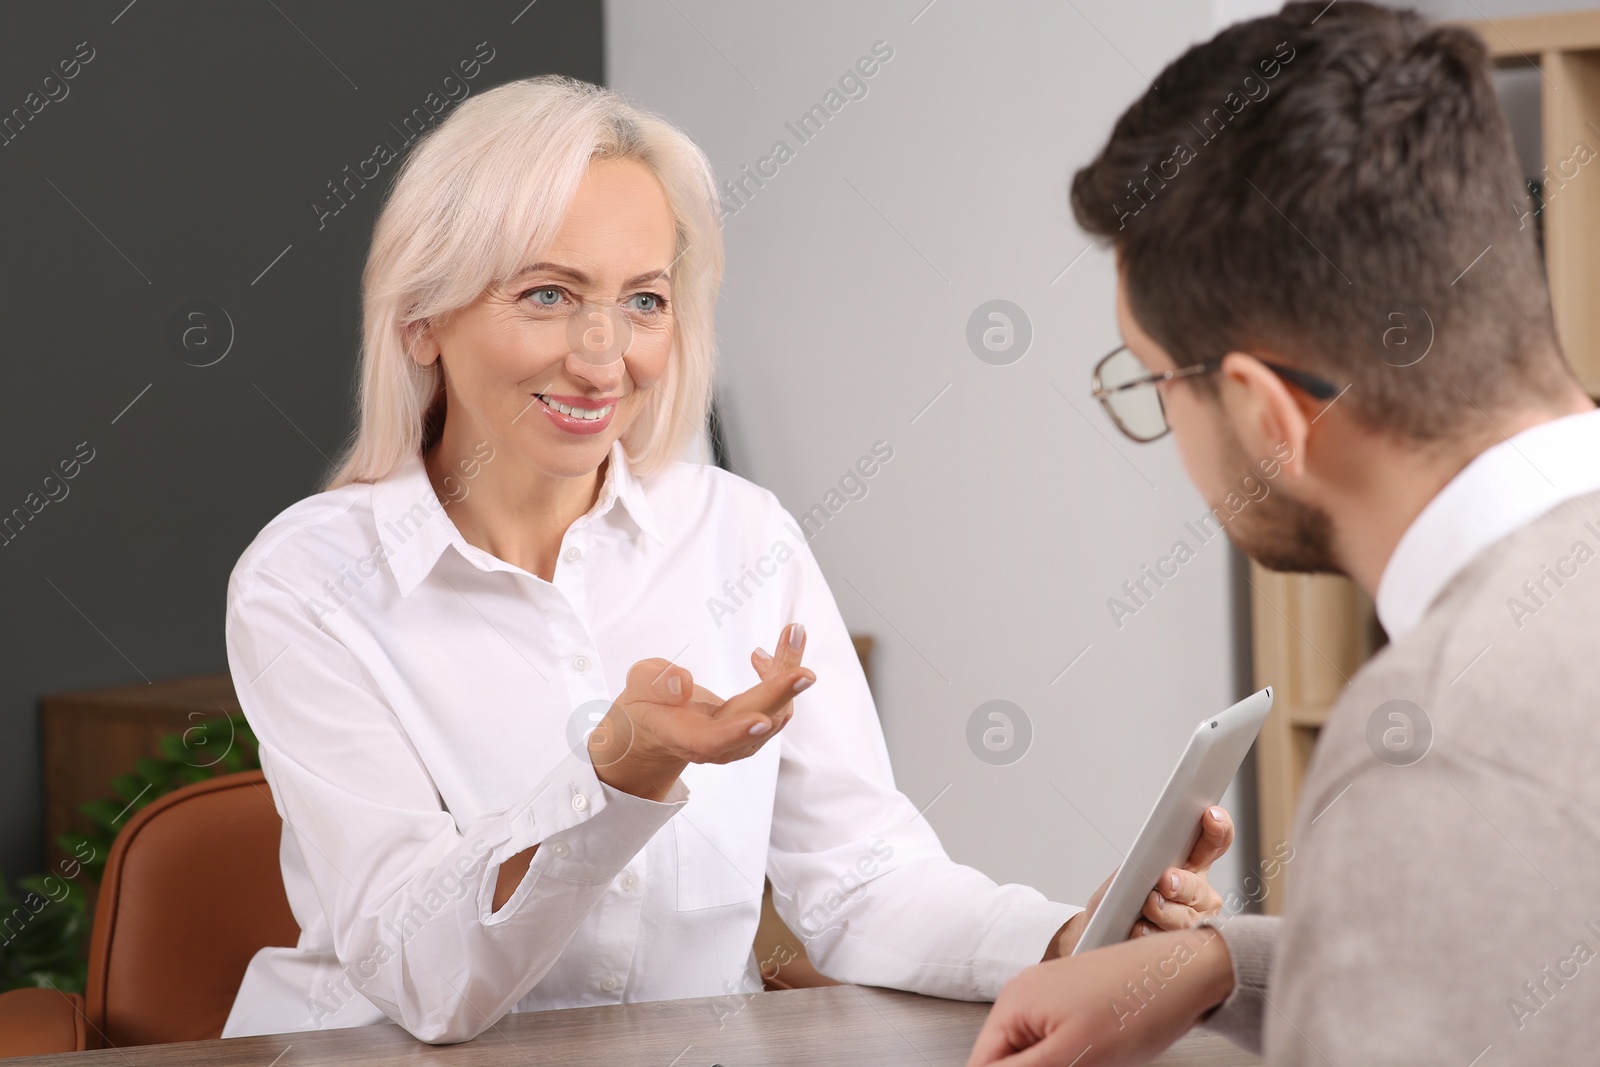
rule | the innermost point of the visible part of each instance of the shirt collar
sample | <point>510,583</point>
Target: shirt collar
<point>1503,489</point>
<point>414,528</point>
<point>623,485</point>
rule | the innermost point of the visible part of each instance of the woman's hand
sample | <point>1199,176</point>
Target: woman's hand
<point>1121,1004</point>
<point>1182,897</point>
<point>662,721</point>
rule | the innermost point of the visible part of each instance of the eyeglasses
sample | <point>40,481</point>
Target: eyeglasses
<point>1125,388</point>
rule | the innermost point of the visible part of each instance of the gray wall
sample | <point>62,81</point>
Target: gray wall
<point>182,164</point>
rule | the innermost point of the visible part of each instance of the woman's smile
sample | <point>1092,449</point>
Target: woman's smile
<point>577,414</point>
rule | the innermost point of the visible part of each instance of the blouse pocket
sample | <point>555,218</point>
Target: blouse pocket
<point>722,832</point>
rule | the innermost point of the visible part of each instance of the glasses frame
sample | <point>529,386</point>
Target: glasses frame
<point>1320,388</point>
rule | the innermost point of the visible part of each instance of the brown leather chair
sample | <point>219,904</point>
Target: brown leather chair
<point>192,889</point>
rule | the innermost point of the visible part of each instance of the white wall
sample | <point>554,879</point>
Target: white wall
<point>1478,10</point>
<point>984,552</point>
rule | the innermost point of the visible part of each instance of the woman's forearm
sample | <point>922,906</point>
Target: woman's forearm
<point>510,875</point>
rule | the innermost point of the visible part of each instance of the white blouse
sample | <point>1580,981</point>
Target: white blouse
<point>422,705</point>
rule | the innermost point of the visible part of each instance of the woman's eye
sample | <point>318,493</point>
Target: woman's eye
<point>549,296</point>
<point>646,302</point>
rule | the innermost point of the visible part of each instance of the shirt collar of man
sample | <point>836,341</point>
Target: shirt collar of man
<point>1506,487</point>
<point>415,530</point>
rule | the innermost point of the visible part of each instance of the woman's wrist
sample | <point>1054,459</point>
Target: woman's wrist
<point>650,783</point>
<point>623,760</point>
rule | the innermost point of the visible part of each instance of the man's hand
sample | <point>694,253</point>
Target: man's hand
<point>1117,1005</point>
<point>1182,897</point>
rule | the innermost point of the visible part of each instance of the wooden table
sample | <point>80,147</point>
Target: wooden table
<point>837,1025</point>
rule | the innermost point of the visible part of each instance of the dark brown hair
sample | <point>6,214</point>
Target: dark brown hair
<point>1334,186</point>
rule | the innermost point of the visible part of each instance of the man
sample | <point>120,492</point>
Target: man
<point>1325,253</point>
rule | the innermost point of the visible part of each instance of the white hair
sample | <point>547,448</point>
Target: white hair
<point>475,195</point>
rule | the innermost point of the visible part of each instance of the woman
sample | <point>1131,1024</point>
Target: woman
<point>480,665</point>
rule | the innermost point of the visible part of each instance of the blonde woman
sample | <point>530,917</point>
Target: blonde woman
<point>480,663</point>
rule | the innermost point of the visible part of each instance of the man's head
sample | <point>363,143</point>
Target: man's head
<point>1332,189</point>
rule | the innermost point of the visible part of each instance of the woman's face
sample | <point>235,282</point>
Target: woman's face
<point>555,365</point>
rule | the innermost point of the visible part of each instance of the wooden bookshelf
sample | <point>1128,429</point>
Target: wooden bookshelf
<point>1566,50</point>
<point>1312,633</point>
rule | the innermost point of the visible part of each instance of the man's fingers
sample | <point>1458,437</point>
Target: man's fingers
<point>1181,899</point>
<point>994,1040</point>
<point>1179,886</point>
<point>1051,1051</point>
<point>1216,836</point>
<point>1163,914</point>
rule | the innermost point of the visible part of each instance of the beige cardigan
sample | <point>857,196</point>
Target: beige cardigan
<point>1447,910</point>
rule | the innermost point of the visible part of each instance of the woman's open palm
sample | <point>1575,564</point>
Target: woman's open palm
<point>663,721</point>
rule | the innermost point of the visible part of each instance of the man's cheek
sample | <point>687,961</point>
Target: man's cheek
<point>1198,446</point>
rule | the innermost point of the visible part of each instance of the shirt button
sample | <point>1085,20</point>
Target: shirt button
<point>630,881</point>
<point>560,849</point>
<point>579,802</point>
<point>573,553</point>
<point>608,983</point>
<point>580,663</point>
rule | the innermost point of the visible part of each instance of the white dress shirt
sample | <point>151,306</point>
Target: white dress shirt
<point>1503,489</point>
<point>421,707</point>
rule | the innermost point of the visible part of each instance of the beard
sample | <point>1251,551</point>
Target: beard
<point>1280,533</point>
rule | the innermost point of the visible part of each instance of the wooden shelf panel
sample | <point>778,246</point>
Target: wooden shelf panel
<point>1566,48</point>
<point>1527,36</point>
<point>1311,633</point>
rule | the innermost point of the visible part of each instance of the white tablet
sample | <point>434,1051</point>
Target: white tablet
<point>1215,751</point>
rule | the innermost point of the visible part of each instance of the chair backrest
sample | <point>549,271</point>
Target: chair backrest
<point>192,889</point>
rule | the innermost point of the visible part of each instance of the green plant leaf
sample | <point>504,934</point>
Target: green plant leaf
<point>103,812</point>
<point>156,772</point>
<point>129,786</point>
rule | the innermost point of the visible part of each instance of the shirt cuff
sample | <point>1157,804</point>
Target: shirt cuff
<point>586,831</point>
<point>1018,939</point>
<point>1252,943</point>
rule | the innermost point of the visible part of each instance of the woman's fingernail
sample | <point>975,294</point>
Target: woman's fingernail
<point>760,728</point>
<point>1216,813</point>
<point>803,684</point>
<point>1173,881</point>
<point>675,685</point>
<point>797,635</point>
<point>762,658</point>
<point>1161,902</point>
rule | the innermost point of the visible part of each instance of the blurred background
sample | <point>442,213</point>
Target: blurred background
<point>186,224</point>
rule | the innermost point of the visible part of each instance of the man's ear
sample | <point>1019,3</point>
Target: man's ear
<point>1272,419</point>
